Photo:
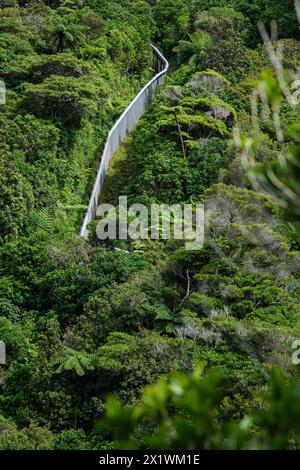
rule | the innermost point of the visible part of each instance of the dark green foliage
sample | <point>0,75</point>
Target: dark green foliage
<point>71,439</point>
<point>61,98</point>
<point>172,20</point>
<point>281,178</point>
<point>83,319</point>
<point>16,199</point>
<point>31,438</point>
<point>195,422</point>
<point>61,33</point>
<point>259,11</point>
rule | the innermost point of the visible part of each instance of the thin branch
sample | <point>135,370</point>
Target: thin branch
<point>180,135</point>
<point>188,288</point>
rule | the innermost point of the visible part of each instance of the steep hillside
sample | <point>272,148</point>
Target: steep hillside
<point>83,319</point>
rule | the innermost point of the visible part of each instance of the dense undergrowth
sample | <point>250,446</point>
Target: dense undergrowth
<point>81,320</point>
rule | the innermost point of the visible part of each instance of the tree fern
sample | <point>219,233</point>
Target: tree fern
<point>76,361</point>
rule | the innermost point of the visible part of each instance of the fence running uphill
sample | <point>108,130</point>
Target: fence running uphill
<point>121,129</point>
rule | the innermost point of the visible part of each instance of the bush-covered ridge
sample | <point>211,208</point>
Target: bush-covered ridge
<point>81,320</point>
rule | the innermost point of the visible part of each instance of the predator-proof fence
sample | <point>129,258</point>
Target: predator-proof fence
<point>121,129</point>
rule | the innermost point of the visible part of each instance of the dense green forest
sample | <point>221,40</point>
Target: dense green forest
<point>209,333</point>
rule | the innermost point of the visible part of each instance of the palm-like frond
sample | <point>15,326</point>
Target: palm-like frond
<point>44,218</point>
<point>76,361</point>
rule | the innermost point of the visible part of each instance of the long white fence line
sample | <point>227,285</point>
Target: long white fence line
<point>121,129</point>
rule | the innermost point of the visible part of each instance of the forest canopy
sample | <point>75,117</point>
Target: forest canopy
<point>144,344</point>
